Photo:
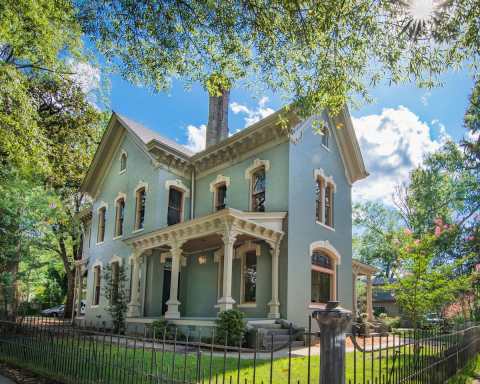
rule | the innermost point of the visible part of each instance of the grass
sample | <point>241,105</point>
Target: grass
<point>468,374</point>
<point>88,360</point>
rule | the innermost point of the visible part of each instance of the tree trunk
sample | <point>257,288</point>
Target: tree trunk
<point>70,273</point>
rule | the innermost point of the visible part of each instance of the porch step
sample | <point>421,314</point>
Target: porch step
<point>278,334</point>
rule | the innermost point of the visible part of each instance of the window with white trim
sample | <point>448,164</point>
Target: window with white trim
<point>258,190</point>
<point>175,206</point>
<point>97,271</point>
<point>325,135</point>
<point>115,269</point>
<point>220,196</point>
<point>140,197</point>
<point>119,216</point>
<point>249,277</point>
<point>324,200</point>
<point>102,212</point>
<point>123,162</point>
<point>322,277</point>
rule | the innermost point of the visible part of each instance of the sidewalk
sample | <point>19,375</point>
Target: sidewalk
<point>4,380</point>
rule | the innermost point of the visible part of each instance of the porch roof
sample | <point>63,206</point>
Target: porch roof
<point>363,269</point>
<point>265,225</point>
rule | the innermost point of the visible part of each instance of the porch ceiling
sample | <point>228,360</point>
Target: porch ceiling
<point>266,226</point>
<point>362,269</point>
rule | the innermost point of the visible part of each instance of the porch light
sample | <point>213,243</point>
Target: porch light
<point>202,259</point>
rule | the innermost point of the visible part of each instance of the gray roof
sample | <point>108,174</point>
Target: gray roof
<point>146,135</point>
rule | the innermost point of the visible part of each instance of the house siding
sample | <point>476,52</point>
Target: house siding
<point>307,155</point>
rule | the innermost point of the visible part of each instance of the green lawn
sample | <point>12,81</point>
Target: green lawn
<point>88,361</point>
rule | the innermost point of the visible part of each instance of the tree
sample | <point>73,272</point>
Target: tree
<point>116,292</point>
<point>318,54</point>
<point>376,242</point>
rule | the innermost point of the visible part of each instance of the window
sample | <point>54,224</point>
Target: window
<point>96,284</point>
<point>329,205</point>
<point>140,208</point>
<point>325,135</point>
<point>174,215</point>
<point>323,277</point>
<point>324,193</point>
<point>221,197</point>
<point>119,216</point>
<point>258,190</point>
<point>249,279</point>
<point>101,224</point>
<point>115,280</point>
<point>123,162</point>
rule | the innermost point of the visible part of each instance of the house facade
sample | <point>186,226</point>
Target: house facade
<point>259,221</point>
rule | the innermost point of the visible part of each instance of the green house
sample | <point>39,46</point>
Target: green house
<point>260,221</point>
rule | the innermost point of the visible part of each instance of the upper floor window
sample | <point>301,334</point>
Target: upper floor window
<point>221,197</point>
<point>324,195</point>
<point>258,190</point>
<point>249,277</point>
<point>119,216</point>
<point>140,197</point>
<point>101,224</point>
<point>325,135</point>
<point>322,277</point>
<point>123,162</point>
<point>97,270</point>
<point>175,199</point>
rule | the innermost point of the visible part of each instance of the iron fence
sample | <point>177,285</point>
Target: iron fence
<point>52,347</point>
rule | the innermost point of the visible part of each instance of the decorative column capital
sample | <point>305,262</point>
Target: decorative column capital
<point>229,236</point>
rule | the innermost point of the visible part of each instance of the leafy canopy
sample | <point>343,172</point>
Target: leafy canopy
<point>317,54</point>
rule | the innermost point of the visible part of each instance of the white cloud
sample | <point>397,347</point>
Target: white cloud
<point>87,77</point>
<point>196,138</point>
<point>253,115</point>
<point>392,144</point>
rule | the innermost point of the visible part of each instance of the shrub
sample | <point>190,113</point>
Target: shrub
<point>391,322</point>
<point>230,327</point>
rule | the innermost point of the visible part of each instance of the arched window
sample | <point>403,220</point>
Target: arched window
<point>175,206</point>
<point>140,197</point>
<point>123,162</point>
<point>325,135</point>
<point>119,216</point>
<point>323,283</point>
<point>258,190</point>
<point>324,194</point>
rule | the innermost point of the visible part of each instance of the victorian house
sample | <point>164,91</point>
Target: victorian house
<point>260,221</point>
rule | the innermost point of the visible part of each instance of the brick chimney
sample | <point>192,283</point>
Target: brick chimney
<point>217,128</point>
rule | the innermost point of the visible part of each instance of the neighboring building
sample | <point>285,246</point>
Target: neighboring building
<point>260,221</point>
<point>383,298</point>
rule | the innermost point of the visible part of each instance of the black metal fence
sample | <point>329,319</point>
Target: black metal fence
<point>54,348</point>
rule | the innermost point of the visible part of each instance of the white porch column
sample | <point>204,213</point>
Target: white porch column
<point>274,304</point>
<point>173,303</point>
<point>226,301</point>
<point>369,298</point>
<point>134,305</point>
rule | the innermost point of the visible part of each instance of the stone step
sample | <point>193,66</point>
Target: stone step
<point>265,325</point>
<point>282,344</point>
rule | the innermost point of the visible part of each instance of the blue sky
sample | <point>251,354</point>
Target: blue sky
<point>395,132</point>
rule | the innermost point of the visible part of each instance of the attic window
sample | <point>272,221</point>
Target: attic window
<point>123,162</point>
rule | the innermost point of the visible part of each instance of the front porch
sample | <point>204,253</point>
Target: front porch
<point>188,272</point>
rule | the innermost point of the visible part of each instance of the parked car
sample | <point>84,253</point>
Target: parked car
<point>57,311</point>
<point>432,320</point>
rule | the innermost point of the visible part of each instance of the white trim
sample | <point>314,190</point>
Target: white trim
<point>179,185</point>
<point>100,243</point>
<point>257,163</point>
<point>220,179</point>
<point>325,225</point>
<point>329,248</point>
<point>120,195</point>
<point>320,173</point>
<point>138,230</point>
<point>116,259</point>
<point>101,205</point>
<point>247,305</point>
<point>97,263</point>
<point>141,184</point>
<point>247,247</point>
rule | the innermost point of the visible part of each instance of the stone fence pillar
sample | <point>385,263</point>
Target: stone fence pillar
<point>333,322</point>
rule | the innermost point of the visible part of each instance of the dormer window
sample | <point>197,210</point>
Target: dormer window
<point>175,200</point>
<point>101,224</point>
<point>221,197</point>
<point>123,162</point>
<point>140,197</point>
<point>119,216</point>
<point>258,190</point>
<point>324,199</point>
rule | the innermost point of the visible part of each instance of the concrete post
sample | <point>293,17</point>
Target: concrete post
<point>173,303</point>
<point>274,304</point>
<point>333,322</point>
<point>134,305</point>
<point>226,301</point>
